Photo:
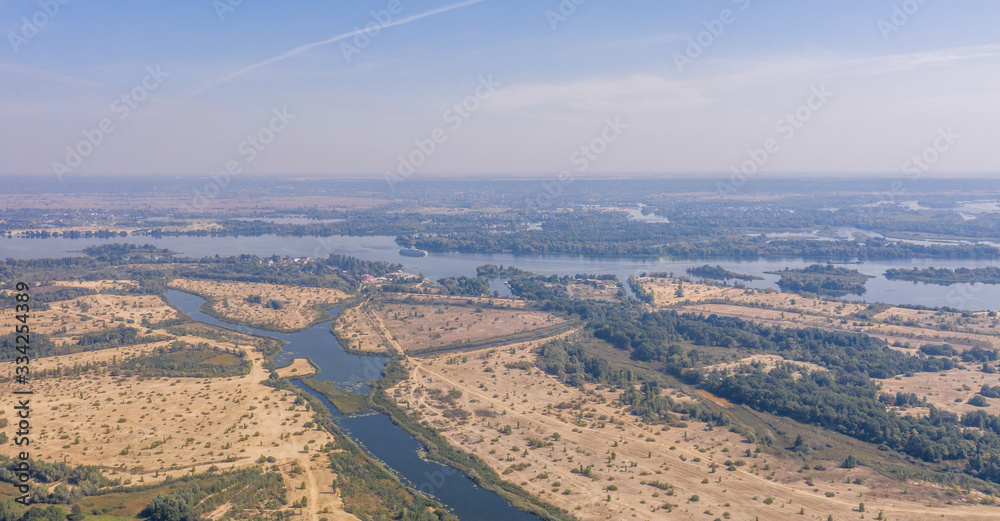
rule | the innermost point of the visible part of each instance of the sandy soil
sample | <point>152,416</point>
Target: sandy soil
<point>360,329</point>
<point>943,389</point>
<point>769,362</point>
<point>229,299</point>
<point>96,285</point>
<point>94,313</point>
<point>915,336</point>
<point>500,302</point>
<point>145,429</point>
<point>979,322</point>
<point>423,326</point>
<point>677,459</point>
<point>298,368</point>
<point>665,294</point>
<point>896,322</point>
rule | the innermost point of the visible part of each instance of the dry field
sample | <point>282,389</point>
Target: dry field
<point>949,390</point>
<point>299,368</point>
<point>767,362</point>
<point>664,291</point>
<point>555,429</point>
<point>69,318</point>
<point>979,322</point>
<point>906,323</point>
<point>229,299</point>
<point>423,326</point>
<point>414,298</point>
<point>145,429</point>
<point>358,328</point>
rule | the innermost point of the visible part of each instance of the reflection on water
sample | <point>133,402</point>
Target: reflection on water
<point>374,432</point>
<point>438,265</point>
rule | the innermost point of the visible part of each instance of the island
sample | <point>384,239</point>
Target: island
<point>946,276</point>
<point>822,279</point>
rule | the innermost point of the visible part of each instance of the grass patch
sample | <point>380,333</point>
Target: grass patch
<point>345,402</point>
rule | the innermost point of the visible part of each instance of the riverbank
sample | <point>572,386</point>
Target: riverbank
<point>440,450</point>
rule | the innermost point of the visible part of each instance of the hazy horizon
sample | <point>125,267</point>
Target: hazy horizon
<point>484,88</point>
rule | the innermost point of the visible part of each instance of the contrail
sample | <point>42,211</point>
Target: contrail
<point>301,49</point>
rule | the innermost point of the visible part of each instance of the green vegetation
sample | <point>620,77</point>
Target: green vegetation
<point>946,276</point>
<point>345,402</point>
<point>369,491</point>
<point>120,335</point>
<point>75,482</point>
<point>822,280</point>
<point>843,397</point>
<point>720,273</point>
<point>475,286</point>
<point>181,359</point>
<point>124,252</point>
<point>493,271</point>
<point>251,493</point>
<point>42,345</point>
<point>847,402</point>
<point>641,293</point>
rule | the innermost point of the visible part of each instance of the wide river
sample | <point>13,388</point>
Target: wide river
<point>435,266</point>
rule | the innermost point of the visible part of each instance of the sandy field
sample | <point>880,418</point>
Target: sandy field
<point>94,313</point>
<point>142,429</point>
<point>943,389</point>
<point>769,362</point>
<point>229,299</point>
<point>422,326</point>
<point>664,291</point>
<point>907,322</point>
<point>411,298</point>
<point>359,328</point>
<point>145,429</point>
<point>637,471</point>
<point>914,335</point>
<point>298,368</point>
<point>979,322</point>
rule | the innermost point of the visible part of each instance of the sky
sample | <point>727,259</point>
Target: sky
<point>402,88</point>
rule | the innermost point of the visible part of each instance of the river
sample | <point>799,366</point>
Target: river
<point>374,432</point>
<point>435,266</point>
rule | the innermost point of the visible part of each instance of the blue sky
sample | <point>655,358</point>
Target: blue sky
<point>894,83</point>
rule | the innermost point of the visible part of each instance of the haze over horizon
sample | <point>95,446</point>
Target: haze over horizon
<point>484,88</point>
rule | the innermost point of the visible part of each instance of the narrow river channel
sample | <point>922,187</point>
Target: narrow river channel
<point>374,432</point>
